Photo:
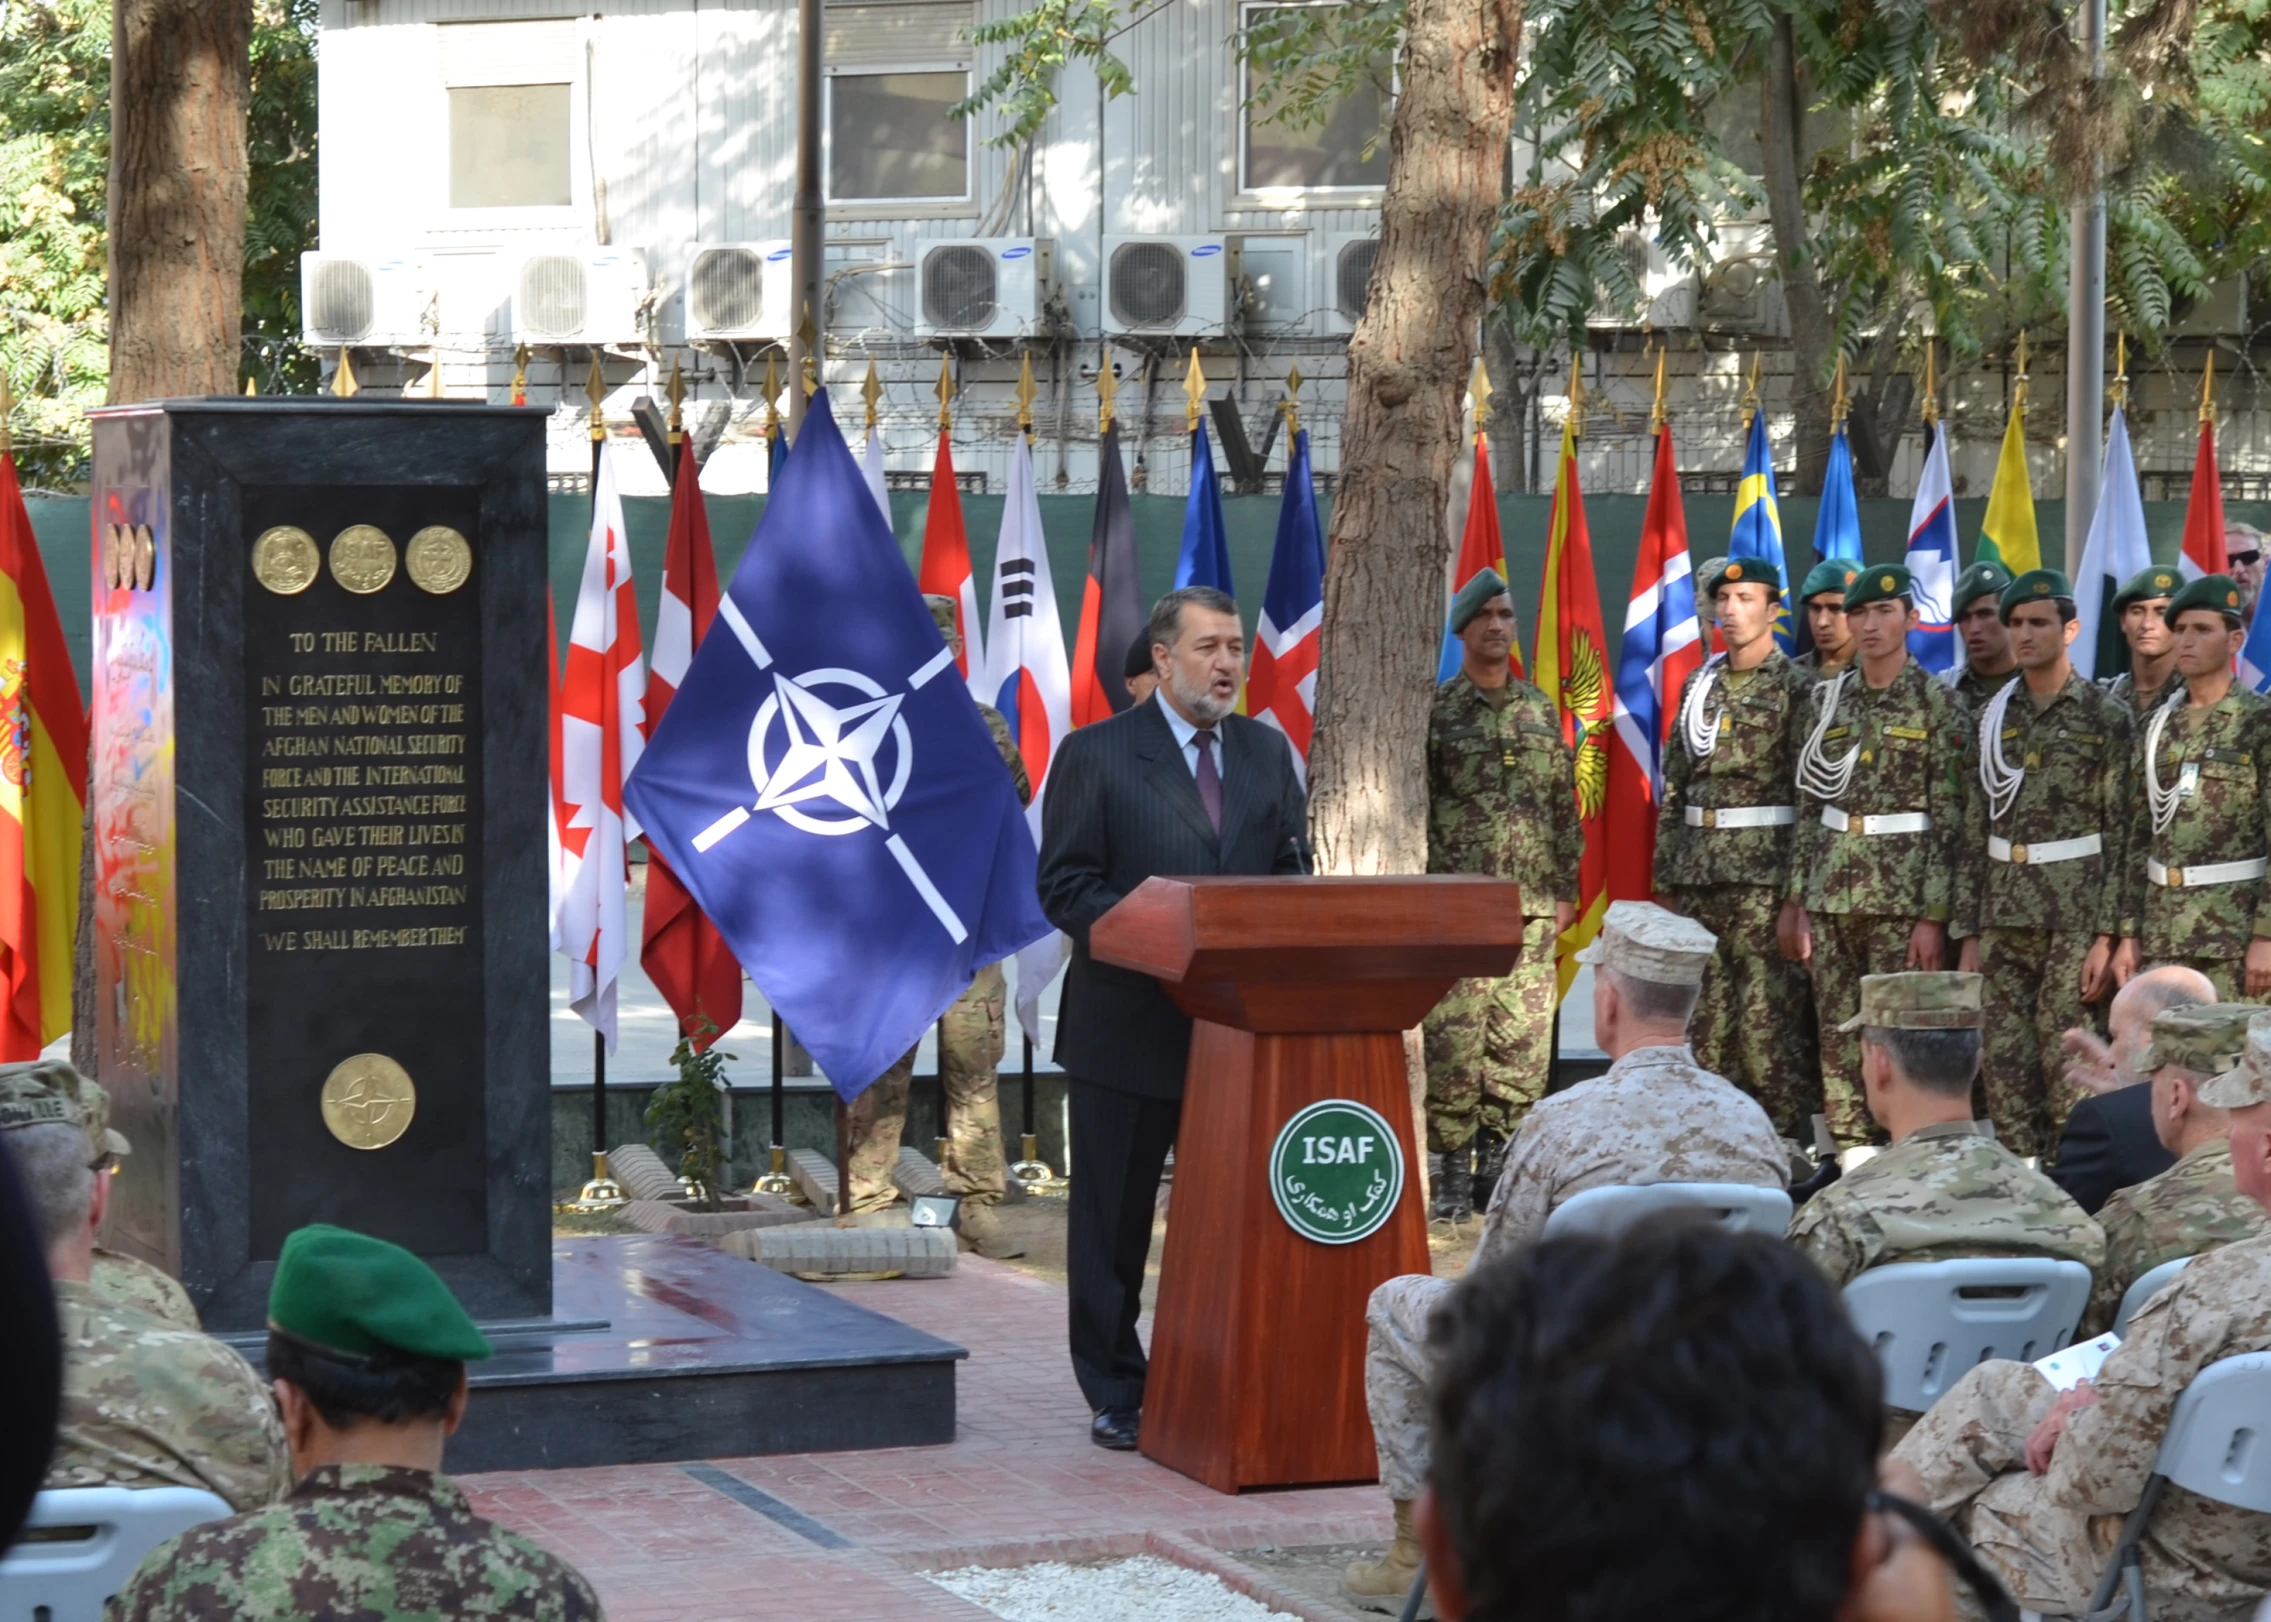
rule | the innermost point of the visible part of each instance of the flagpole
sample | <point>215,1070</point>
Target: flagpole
<point>2085,326</point>
<point>776,1179</point>
<point>602,1192</point>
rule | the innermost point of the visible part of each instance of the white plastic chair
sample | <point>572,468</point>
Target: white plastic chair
<point>1744,1207</point>
<point>2143,1288</point>
<point>71,1579</point>
<point>1930,1322</point>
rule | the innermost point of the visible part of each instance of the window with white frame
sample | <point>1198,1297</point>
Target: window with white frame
<point>511,112</point>
<point>890,138</point>
<point>1346,151</point>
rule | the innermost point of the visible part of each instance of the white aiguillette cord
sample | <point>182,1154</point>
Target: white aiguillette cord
<point>1702,728</point>
<point>2162,801</point>
<point>1818,775</point>
<point>1997,775</point>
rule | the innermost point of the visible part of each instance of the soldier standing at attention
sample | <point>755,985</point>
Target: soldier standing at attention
<point>1987,663</point>
<point>1723,848</point>
<point>1501,801</point>
<point>2141,605</point>
<point>1882,753</point>
<point>2203,821</point>
<point>2042,895</point>
<point>1823,597</point>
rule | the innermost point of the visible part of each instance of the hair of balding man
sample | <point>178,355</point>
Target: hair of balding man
<point>1652,1003</point>
<point>2168,985</point>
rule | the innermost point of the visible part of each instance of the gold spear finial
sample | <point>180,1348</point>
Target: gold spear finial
<point>343,383</point>
<point>871,391</point>
<point>810,337</point>
<point>1194,392</point>
<point>1657,415</point>
<point>772,393</point>
<point>1750,390</point>
<point>1291,405</point>
<point>1931,410</point>
<point>2208,389</point>
<point>520,375</point>
<point>7,405</point>
<point>2119,392</point>
<point>1478,390</point>
<point>2019,377</point>
<point>595,390</point>
<point>1025,392</point>
<point>1839,402</point>
<point>251,387</point>
<point>1576,394</point>
<point>677,403</point>
<point>945,393</point>
<point>1107,391</point>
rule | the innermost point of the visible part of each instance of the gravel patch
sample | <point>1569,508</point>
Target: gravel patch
<point>1142,1588</point>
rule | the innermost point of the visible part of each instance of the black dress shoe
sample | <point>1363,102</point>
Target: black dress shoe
<point>1115,1428</point>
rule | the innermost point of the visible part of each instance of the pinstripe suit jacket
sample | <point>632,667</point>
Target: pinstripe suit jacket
<point>1122,806</point>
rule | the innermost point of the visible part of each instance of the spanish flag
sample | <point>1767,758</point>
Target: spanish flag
<point>1573,673</point>
<point>43,792</point>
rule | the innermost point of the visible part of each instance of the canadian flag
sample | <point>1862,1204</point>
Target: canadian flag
<point>602,707</point>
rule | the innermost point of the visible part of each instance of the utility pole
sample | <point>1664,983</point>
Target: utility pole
<point>805,245</point>
<point>2085,330</point>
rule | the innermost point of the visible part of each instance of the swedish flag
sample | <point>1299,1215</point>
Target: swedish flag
<point>1758,522</point>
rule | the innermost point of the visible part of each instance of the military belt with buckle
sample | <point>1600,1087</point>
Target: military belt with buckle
<point>2043,851</point>
<point>2202,874</point>
<point>1889,822</point>
<point>1739,816</point>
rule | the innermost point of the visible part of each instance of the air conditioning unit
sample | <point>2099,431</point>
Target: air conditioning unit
<point>983,287</point>
<point>1169,286</point>
<point>1667,294</point>
<point>589,296</point>
<point>739,292</point>
<point>1352,259</point>
<point>1739,290</point>
<point>370,303</point>
<point>2220,311</point>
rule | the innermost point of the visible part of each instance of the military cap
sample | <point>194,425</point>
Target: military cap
<point>2206,1038</point>
<point>1139,657</point>
<point>1760,571</point>
<point>1877,583</point>
<point>2035,586</point>
<point>49,1092</point>
<point>1986,578</point>
<point>2146,584</point>
<point>2249,1080</point>
<point>347,1292</point>
<point>942,611</point>
<point>1831,574</point>
<point>1920,1000</point>
<point>1647,942</point>
<point>1472,596</point>
<point>2216,592</point>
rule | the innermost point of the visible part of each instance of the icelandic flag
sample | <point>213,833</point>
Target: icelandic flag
<point>1282,689</point>
<point>2115,550</point>
<point>945,570</point>
<point>1661,648</point>
<point>1758,521</point>
<point>1931,561</point>
<point>871,465</point>
<point>1205,557</point>
<point>838,809</point>
<point>1480,547</point>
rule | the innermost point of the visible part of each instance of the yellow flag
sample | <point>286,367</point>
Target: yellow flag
<point>2008,536</point>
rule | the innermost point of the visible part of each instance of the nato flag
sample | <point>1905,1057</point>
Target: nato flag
<point>825,787</point>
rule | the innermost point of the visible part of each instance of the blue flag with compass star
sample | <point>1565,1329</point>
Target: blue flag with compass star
<point>824,786</point>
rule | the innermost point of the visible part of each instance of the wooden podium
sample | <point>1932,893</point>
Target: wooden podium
<point>1287,1212</point>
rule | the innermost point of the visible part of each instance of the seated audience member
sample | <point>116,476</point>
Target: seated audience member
<point>2194,1206</point>
<point>1677,1423</point>
<point>368,1350</point>
<point>146,1402</point>
<point>2038,1481</point>
<point>1655,1117</point>
<point>1141,678</point>
<point>2109,1142</point>
<point>31,1354</point>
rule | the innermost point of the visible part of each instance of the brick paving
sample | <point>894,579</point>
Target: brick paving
<point>842,1537</point>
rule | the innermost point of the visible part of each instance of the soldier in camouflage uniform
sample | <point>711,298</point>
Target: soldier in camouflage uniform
<point>2141,607</point>
<point>1657,1116</point>
<point>970,1046</point>
<point>2041,892</point>
<point>2194,1206</point>
<point>368,1348</point>
<point>1882,753</point>
<point>1723,846</point>
<point>1822,598</point>
<point>1501,801</point>
<point>1975,608</point>
<point>2202,823</point>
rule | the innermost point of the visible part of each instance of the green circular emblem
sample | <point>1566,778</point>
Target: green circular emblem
<point>1336,1172</point>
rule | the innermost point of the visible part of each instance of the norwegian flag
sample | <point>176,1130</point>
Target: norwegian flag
<point>946,565</point>
<point>1660,650</point>
<point>1281,690</point>
<point>681,950</point>
<point>602,712</point>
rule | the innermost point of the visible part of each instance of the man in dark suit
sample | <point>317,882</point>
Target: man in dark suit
<point>2109,1141</point>
<point>1178,786</point>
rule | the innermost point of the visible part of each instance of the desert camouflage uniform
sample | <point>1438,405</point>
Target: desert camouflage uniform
<point>2037,922</point>
<point>147,1403</point>
<point>2047,1536</point>
<point>1753,1019</point>
<point>1972,690</point>
<point>970,1046</point>
<point>1501,801</point>
<point>1656,1116</point>
<point>368,1541</point>
<point>2225,751</point>
<point>2190,1209</point>
<point>1867,892</point>
<point>137,1284</point>
<point>2141,701</point>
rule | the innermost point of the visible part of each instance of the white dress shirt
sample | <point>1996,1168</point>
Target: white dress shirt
<point>1185,731</point>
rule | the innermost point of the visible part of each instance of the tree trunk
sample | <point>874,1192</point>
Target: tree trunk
<point>1813,335</point>
<point>1407,374</point>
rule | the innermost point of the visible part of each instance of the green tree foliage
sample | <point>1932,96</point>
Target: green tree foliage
<point>54,172</point>
<point>686,1117</point>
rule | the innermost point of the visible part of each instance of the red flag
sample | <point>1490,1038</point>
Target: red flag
<point>1658,654</point>
<point>2204,513</point>
<point>681,950</point>
<point>554,839</point>
<point>946,560</point>
<point>1481,547</point>
<point>1573,673</point>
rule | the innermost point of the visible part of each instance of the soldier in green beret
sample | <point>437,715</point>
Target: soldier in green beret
<point>1723,847</point>
<point>367,1349</point>
<point>2141,607</point>
<point>1501,801</point>
<point>1823,598</point>
<point>1975,608</point>
<point>1882,751</point>
<point>2202,824</point>
<point>2043,891</point>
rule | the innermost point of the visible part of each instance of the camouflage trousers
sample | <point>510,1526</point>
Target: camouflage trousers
<point>1848,945</point>
<point>1489,1043</point>
<point>1395,1378</point>
<point>970,1049</point>
<point>2227,974</point>
<point>1754,1017</point>
<point>2033,997</point>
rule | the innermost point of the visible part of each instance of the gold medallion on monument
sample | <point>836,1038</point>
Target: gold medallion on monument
<point>368,1101</point>
<point>438,559</point>
<point>145,557</point>
<point>362,558</point>
<point>114,546</point>
<point>286,560</point>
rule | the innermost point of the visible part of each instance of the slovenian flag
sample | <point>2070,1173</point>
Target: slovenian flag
<point>1931,560</point>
